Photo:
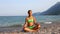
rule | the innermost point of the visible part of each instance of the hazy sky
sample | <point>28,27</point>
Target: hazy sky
<point>20,7</point>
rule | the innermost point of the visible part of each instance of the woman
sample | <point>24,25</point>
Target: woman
<point>30,23</point>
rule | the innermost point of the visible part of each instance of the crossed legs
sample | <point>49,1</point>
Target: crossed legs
<point>34,29</point>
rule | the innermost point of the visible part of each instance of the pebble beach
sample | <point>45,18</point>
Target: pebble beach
<point>53,28</point>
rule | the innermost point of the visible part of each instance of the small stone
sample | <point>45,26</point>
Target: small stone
<point>52,33</point>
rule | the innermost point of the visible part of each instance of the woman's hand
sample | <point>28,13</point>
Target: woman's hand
<point>39,26</point>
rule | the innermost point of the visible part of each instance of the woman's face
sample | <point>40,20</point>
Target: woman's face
<point>30,13</point>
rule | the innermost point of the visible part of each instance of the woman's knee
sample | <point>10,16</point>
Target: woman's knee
<point>39,26</point>
<point>25,28</point>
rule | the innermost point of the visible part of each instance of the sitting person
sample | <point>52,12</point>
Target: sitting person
<point>30,23</point>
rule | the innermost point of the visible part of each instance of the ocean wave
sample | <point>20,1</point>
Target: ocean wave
<point>47,22</point>
<point>16,25</point>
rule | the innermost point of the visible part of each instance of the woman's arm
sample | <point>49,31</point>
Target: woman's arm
<point>25,25</point>
<point>36,23</point>
<point>34,20</point>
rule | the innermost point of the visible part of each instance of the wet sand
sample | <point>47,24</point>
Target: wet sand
<point>53,28</point>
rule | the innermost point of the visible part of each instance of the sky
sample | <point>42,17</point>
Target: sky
<point>20,7</point>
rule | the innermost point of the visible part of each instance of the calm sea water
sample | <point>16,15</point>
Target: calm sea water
<point>13,20</point>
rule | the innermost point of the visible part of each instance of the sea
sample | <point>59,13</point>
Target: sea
<point>20,20</point>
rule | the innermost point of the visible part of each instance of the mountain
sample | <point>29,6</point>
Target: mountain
<point>54,10</point>
<point>36,14</point>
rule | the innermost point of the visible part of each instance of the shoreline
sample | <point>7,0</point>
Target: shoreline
<point>53,28</point>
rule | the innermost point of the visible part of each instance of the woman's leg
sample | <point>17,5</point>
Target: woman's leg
<point>37,27</point>
<point>27,29</point>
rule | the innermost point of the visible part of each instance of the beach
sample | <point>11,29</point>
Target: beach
<point>53,28</point>
<point>14,25</point>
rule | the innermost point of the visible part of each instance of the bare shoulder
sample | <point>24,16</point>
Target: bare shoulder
<point>26,18</point>
<point>34,17</point>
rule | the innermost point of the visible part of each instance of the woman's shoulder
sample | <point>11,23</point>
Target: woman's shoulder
<point>33,17</point>
<point>26,17</point>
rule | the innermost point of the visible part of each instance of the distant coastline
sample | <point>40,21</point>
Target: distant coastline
<point>54,10</point>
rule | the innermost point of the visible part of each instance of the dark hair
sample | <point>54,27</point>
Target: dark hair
<point>29,11</point>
